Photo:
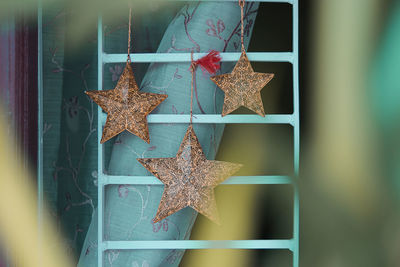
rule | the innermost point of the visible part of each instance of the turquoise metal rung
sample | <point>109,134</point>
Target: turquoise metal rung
<point>185,57</point>
<point>234,180</point>
<point>265,1</point>
<point>217,118</point>
<point>199,244</point>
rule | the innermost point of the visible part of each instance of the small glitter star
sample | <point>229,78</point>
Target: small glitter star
<point>242,87</point>
<point>126,107</point>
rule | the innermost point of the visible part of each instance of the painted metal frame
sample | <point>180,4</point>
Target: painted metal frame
<point>103,179</point>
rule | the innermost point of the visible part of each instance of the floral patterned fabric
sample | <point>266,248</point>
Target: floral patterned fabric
<point>70,145</point>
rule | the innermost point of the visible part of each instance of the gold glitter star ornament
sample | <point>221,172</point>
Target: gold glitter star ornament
<point>189,179</point>
<point>126,107</point>
<point>242,87</point>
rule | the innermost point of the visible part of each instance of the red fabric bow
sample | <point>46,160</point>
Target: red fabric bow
<point>210,62</point>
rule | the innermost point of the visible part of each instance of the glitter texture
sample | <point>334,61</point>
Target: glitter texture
<point>126,107</point>
<point>242,87</point>
<point>189,179</point>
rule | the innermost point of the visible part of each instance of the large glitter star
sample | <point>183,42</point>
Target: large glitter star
<point>189,179</point>
<point>126,107</point>
<point>242,87</point>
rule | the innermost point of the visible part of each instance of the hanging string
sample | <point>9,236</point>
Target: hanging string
<point>193,67</point>
<point>129,35</point>
<point>209,63</point>
<point>241,4</point>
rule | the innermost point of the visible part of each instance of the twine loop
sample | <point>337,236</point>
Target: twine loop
<point>129,35</point>
<point>241,4</point>
<point>193,66</point>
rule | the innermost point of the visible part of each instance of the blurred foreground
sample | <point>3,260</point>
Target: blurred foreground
<point>349,185</point>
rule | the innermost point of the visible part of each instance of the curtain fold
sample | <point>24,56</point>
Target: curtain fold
<point>70,145</point>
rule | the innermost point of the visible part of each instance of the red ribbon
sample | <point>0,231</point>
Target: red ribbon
<point>210,62</point>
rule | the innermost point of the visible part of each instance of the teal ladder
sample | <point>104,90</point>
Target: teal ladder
<point>103,179</point>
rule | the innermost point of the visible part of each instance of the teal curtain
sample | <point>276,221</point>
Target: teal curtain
<point>70,122</point>
<point>384,93</point>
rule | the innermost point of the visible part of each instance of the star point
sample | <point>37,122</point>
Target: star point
<point>126,107</point>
